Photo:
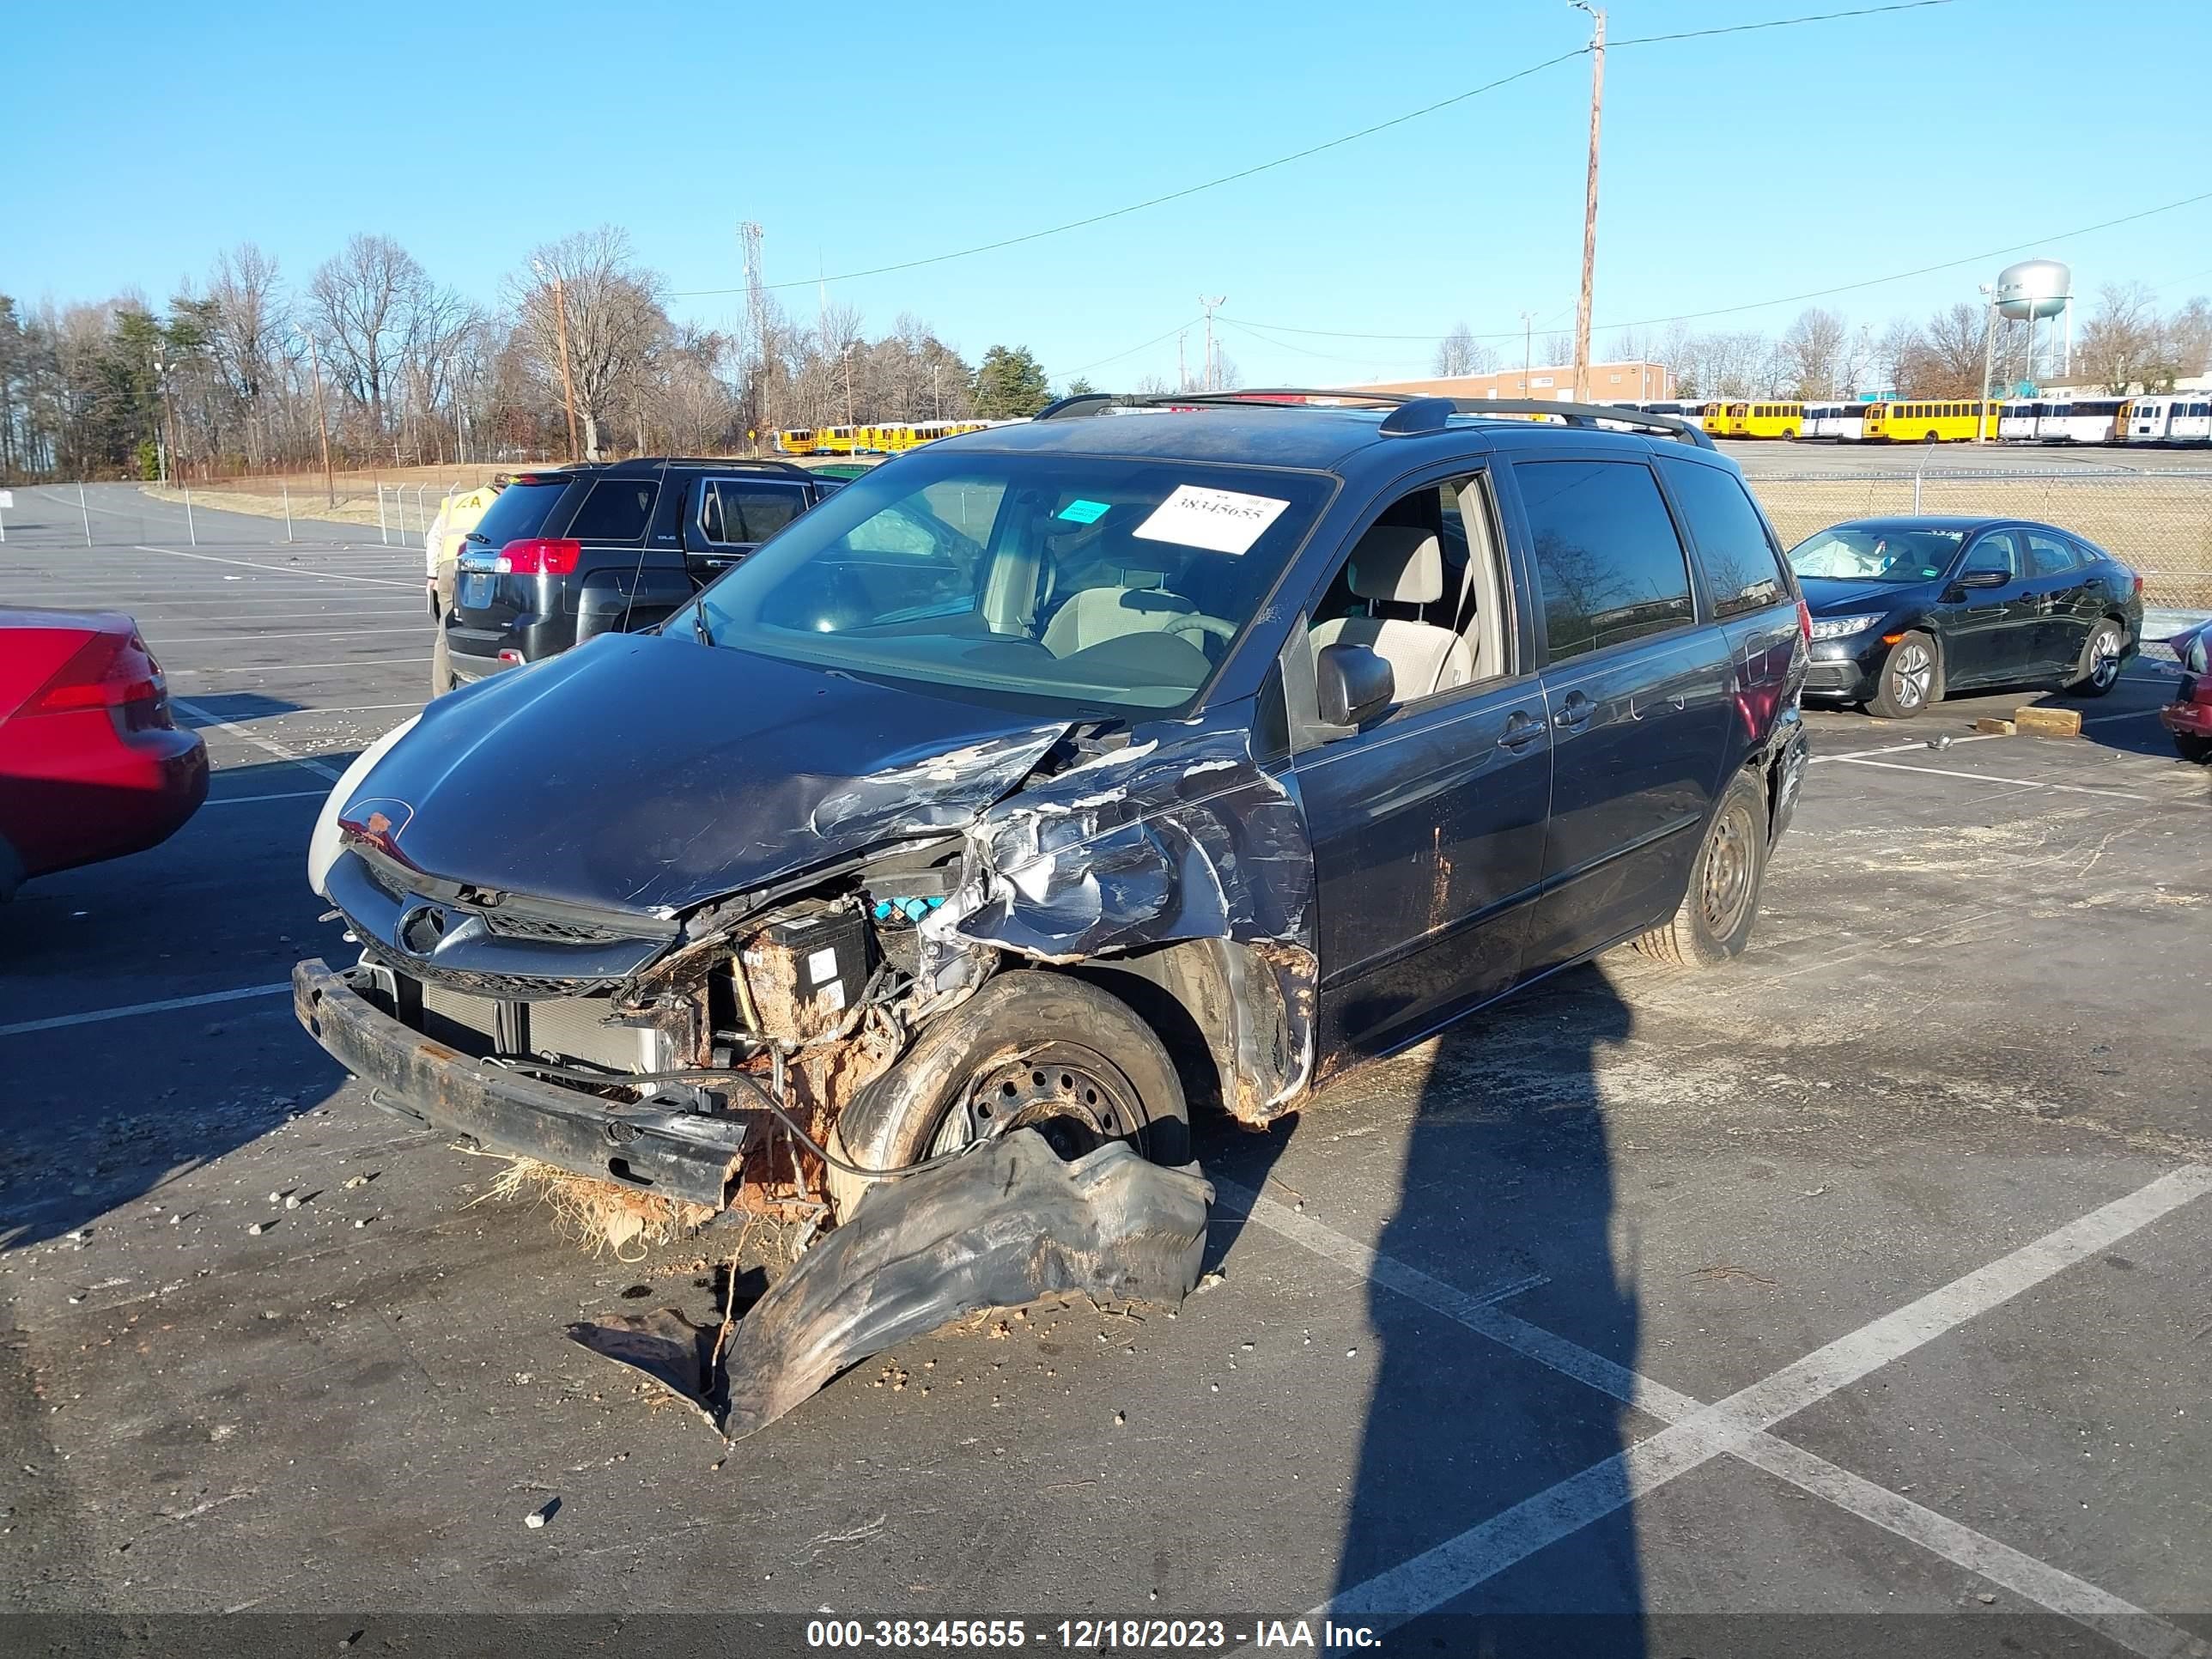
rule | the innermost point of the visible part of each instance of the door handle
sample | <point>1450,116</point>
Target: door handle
<point>1574,712</point>
<point>1519,732</point>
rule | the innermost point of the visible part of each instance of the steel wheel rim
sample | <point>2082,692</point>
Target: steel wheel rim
<point>1724,887</point>
<point>1073,1096</point>
<point>2105,658</point>
<point>1912,673</point>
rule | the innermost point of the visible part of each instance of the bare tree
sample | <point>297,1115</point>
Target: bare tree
<point>1455,352</point>
<point>362,300</point>
<point>247,318</point>
<point>2124,345</point>
<point>610,310</point>
<point>1953,352</point>
<point>1813,351</point>
<point>1736,365</point>
<point>2191,332</point>
<point>1895,352</point>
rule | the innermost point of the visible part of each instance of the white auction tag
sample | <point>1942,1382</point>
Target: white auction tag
<point>1219,521</point>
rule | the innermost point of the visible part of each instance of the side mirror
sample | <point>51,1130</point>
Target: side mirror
<point>1983,577</point>
<point>1351,682</point>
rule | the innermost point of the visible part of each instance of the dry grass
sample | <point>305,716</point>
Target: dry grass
<point>411,494</point>
<point>604,1219</point>
<point>2160,524</point>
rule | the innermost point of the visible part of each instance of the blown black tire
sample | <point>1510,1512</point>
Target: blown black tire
<point>2098,671</point>
<point>1714,923</point>
<point>1030,1049</point>
<point>1911,678</point>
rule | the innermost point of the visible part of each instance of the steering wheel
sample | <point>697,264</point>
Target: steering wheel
<point>1198,624</point>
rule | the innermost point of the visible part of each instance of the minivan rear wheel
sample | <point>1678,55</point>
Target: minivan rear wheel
<point>1031,1049</point>
<point>1714,922</point>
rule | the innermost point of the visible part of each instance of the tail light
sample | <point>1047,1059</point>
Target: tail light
<point>540,555</point>
<point>108,671</point>
<point>2138,576</point>
<point>1804,622</point>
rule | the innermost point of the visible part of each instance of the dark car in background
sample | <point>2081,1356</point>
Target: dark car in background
<point>1277,736</point>
<point>1908,611</point>
<point>92,764</point>
<point>607,547</point>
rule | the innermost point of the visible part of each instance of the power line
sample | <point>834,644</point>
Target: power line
<point>1101,363</point>
<point>1781,300</point>
<point>1779,23</point>
<point>1173,195</point>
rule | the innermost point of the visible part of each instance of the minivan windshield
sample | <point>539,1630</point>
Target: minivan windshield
<point>1877,552</point>
<point>1069,581</point>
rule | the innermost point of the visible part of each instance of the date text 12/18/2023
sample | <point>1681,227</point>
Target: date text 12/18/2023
<point>1088,1635</point>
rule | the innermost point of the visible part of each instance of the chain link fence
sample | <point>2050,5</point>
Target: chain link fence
<point>397,504</point>
<point>2158,522</point>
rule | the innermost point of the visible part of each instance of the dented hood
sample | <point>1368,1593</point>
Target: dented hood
<point>644,773</point>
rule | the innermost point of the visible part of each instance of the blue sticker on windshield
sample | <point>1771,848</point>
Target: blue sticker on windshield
<point>1079,511</point>
<point>1930,571</point>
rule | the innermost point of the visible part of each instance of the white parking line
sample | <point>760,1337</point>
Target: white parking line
<point>343,708</point>
<point>248,800</point>
<point>25,1027</point>
<point>290,667</point>
<point>1984,777</point>
<point>1738,1425</point>
<point>268,744</point>
<point>171,642</point>
<point>282,570</point>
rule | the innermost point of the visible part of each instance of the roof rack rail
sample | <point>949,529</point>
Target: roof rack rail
<point>1410,413</point>
<point>1429,414</point>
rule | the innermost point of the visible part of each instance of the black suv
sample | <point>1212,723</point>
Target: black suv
<point>604,547</point>
<point>1270,734</point>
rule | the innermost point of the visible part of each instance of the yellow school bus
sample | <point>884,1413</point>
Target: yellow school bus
<point>796,440</point>
<point>835,441</point>
<point>887,437</point>
<point>1923,420</point>
<point>1755,420</point>
<point>926,432</point>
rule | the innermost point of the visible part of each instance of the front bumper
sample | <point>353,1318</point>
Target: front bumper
<point>1848,669</point>
<point>650,1148</point>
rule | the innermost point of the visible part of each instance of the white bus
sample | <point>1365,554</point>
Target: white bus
<point>1845,422</point>
<point>2169,418</point>
<point>2017,419</point>
<point>2079,421</point>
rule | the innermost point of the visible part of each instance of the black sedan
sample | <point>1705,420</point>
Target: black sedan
<point>1907,611</point>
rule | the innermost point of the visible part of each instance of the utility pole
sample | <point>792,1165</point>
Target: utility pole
<point>1589,208</point>
<point>1528,350</point>
<point>1183,365</point>
<point>749,238</point>
<point>322,421</point>
<point>1989,352</point>
<point>1212,370</point>
<point>561,339</point>
<point>848,382</point>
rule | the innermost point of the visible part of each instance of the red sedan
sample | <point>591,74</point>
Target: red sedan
<point>91,764</point>
<point>2189,716</point>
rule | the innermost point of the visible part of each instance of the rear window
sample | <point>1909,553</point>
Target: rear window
<point>1611,567</point>
<point>735,514</point>
<point>520,511</point>
<point>616,510</point>
<point>1743,566</point>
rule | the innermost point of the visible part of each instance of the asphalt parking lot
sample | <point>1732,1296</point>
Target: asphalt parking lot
<point>1870,1276</point>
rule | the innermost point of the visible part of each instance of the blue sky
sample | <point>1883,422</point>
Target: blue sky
<point>142,138</point>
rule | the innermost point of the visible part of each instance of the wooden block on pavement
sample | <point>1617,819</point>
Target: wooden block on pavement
<point>2048,722</point>
<point>1994,728</point>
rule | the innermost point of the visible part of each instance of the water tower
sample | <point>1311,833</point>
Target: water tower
<point>2033,290</point>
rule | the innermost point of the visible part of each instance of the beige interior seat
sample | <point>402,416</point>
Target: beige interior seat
<point>1135,605</point>
<point>1395,564</point>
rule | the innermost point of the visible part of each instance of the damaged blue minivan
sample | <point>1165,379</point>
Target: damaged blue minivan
<point>1061,775</point>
